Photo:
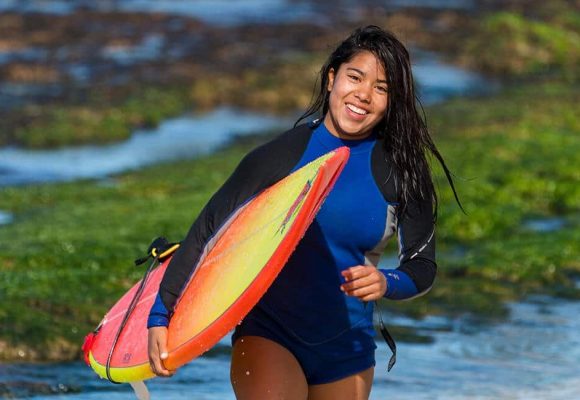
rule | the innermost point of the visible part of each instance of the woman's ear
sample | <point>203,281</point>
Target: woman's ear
<point>330,80</point>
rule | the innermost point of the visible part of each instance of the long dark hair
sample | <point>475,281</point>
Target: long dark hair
<point>405,133</point>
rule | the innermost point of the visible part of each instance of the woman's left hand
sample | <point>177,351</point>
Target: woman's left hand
<point>365,282</point>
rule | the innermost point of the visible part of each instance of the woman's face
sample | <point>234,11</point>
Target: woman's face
<point>358,97</point>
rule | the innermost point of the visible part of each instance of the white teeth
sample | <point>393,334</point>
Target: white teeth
<point>357,110</point>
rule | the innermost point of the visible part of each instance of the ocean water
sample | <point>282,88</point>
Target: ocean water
<point>532,355</point>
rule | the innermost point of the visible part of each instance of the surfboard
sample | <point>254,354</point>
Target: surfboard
<point>237,267</point>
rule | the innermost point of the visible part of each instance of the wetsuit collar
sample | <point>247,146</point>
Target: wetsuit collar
<point>332,142</point>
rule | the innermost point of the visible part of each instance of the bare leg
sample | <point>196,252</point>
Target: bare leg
<point>354,387</point>
<point>263,369</point>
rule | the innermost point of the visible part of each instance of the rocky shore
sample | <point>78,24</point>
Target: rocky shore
<point>68,71</point>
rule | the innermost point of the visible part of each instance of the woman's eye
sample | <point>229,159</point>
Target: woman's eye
<point>383,89</point>
<point>354,78</point>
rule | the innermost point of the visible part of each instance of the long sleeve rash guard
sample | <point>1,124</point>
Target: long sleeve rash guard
<point>352,228</point>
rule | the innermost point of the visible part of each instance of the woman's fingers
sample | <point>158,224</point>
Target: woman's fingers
<point>157,347</point>
<point>365,282</point>
<point>360,277</point>
<point>360,282</point>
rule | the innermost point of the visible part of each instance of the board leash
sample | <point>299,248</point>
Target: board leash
<point>128,314</point>
<point>388,338</point>
<point>159,249</point>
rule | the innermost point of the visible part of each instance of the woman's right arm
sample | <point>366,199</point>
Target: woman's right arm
<point>260,169</point>
<point>157,349</point>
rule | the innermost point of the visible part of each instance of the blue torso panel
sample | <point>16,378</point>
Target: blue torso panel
<point>349,224</point>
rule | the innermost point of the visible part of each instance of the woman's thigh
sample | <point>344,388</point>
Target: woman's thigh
<point>353,387</point>
<point>263,369</point>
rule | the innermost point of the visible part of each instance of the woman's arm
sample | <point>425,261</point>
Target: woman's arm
<point>260,169</point>
<point>417,269</point>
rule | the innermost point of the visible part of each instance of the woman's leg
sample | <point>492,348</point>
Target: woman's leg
<point>353,387</point>
<point>263,369</point>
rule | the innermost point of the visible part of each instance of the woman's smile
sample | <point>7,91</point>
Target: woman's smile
<point>358,97</point>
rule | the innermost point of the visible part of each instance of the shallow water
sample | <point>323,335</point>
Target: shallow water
<point>544,225</point>
<point>532,355</point>
<point>5,217</point>
<point>437,81</point>
<point>183,137</point>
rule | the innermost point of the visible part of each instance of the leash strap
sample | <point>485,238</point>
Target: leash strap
<point>388,338</point>
<point>130,309</point>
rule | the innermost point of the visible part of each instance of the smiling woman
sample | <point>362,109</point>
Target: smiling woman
<point>311,335</point>
<point>358,97</point>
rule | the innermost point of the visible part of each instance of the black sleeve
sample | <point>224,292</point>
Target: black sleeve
<point>260,169</point>
<point>416,229</point>
<point>415,226</point>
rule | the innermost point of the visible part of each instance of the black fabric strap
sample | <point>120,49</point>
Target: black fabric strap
<point>388,338</point>
<point>159,248</point>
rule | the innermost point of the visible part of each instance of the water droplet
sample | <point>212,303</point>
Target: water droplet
<point>243,352</point>
<point>241,340</point>
<point>247,372</point>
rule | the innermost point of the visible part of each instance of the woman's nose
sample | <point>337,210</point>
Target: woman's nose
<point>364,93</point>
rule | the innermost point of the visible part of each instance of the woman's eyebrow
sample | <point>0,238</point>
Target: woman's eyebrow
<point>364,74</point>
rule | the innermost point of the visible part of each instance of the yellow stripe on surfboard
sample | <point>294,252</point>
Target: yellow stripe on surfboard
<point>130,374</point>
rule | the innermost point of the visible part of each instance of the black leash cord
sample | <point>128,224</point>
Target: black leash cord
<point>388,338</point>
<point>128,313</point>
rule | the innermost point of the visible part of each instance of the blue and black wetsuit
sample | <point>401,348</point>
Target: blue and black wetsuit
<point>331,334</point>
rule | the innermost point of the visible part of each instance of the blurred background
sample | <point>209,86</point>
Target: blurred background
<point>120,118</point>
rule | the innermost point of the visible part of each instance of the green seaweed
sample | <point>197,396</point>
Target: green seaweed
<point>512,44</point>
<point>96,121</point>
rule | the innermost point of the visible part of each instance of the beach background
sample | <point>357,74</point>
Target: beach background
<point>120,118</point>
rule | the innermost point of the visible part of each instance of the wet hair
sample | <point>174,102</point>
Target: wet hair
<point>406,137</point>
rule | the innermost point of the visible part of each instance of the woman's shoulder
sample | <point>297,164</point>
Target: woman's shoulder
<point>286,145</point>
<point>297,136</point>
<point>280,153</point>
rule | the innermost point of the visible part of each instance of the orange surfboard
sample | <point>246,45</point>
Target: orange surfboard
<point>238,266</point>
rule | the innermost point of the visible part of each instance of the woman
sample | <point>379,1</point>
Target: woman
<point>311,336</point>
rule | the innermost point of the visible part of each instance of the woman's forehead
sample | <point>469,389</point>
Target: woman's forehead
<point>367,63</point>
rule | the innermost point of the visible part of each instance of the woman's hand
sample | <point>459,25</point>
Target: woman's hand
<point>365,282</point>
<point>157,348</point>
